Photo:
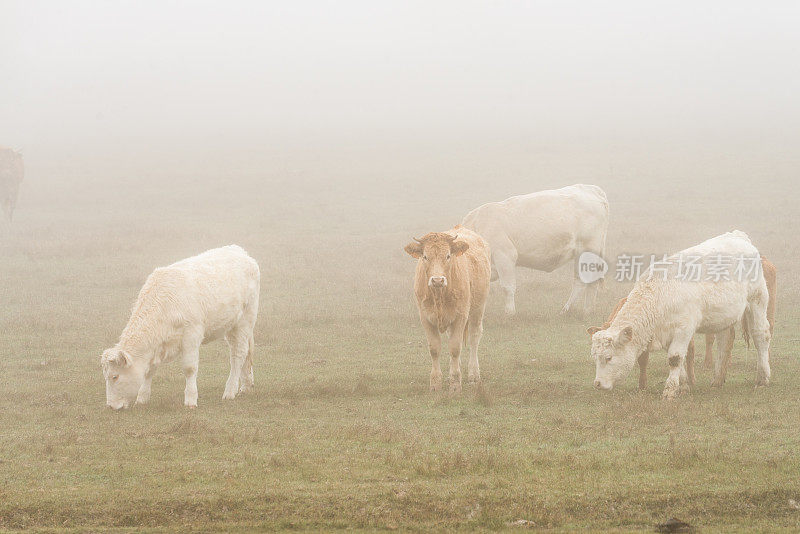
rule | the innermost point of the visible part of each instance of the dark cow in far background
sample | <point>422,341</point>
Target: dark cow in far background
<point>12,171</point>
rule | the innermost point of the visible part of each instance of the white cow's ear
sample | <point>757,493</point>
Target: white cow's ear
<point>121,358</point>
<point>625,335</point>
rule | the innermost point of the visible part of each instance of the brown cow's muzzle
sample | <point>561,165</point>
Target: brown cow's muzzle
<point>437,281</point>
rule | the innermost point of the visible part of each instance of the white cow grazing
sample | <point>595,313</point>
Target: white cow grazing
<point>543,231</point>
<point>664,311</point>
<point>180,307</point>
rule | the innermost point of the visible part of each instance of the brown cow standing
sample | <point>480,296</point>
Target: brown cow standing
<point>451,285</point>
<point>12,171</point>
<point>770,276</point>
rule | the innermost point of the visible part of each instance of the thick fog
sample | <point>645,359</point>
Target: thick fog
<point>84,75</point>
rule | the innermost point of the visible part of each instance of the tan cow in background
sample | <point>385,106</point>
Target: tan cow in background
<point>451,285</point>
<point>771,277</point>
<point>12,171</point>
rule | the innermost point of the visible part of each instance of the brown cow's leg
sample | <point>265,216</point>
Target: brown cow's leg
<point>435,348</point>
<point>708,363</point>
<point>690,363</point>
<point>475,331</point>
<point>455,343</point>
<point>643,358</point>
<point>729,350</point>
<point>724,343</point>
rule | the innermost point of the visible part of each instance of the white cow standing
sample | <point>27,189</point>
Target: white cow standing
<point>666,308</point>
<point>179,308</point>
<point>543,231</point>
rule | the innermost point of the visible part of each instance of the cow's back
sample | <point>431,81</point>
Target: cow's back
<point>543,228</point>
<point>711,304</point>
<point>211,291</point>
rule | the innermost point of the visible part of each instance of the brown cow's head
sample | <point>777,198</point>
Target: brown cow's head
<point>436,252</point>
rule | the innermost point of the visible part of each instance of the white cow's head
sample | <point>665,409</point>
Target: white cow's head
<point>124,376</point>
<point>614,356</point>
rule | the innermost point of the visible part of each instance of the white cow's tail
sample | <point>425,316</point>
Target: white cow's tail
<point>605,235</point>
<point>746,327</point>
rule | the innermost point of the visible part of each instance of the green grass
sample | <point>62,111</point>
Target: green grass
<point>341,431</point>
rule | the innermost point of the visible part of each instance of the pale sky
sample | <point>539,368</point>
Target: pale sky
<point>98,71</point>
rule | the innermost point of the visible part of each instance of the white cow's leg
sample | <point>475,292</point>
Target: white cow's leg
<point>143,397</point>
<point>505,265</point>
<point>238,343</point>
<point>190,364</point>
<point>723,340</point>
<point>475,332</point>
<point>759,328</point>
<point>597,245</point>
<point>435,348</point>
<point>190,361</point>
<point>455,343</point>
<point>677,362</point>
<point>576,295</point>
<point>246,381</point>
<point>590,296</point>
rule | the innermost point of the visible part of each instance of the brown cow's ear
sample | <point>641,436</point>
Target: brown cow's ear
<point>458,247</point>
<point>592,330</point>
<point>414,249</point>
<point>625,335</point>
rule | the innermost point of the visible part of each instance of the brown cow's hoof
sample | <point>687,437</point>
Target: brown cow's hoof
<point>455,388</point>
<point>436,383</point>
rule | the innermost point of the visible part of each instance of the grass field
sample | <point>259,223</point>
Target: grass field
<point>341,431</point>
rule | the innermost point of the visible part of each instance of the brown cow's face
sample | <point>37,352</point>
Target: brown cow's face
<point>436,252</point>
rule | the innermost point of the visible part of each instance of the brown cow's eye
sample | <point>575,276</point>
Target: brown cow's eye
<point>114,378</point>
<point>424,257</point>
<point>448,256</point>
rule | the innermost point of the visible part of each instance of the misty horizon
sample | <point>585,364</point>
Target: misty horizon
<point>81,75</point>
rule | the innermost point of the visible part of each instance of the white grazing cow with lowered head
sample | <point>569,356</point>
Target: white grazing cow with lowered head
<point>179,308</point>
<point>543,231</point>
<point>666,308</point>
